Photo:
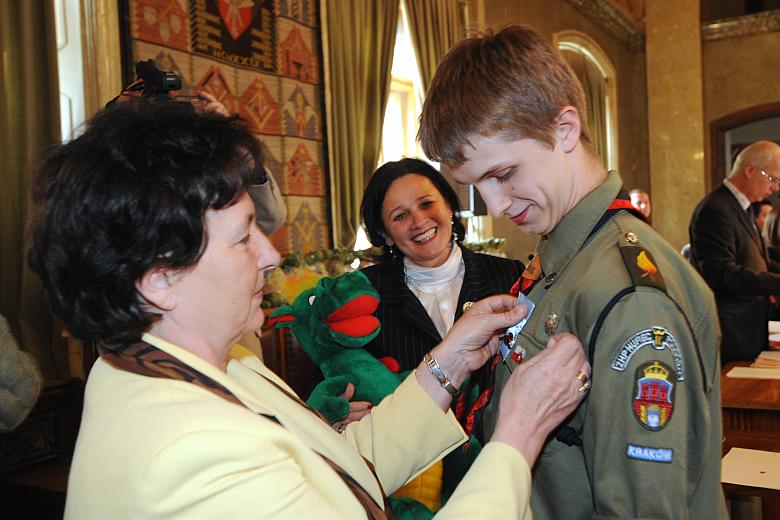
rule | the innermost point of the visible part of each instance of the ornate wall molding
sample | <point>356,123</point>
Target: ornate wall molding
<point>760,23</point>
<point>612,21</point>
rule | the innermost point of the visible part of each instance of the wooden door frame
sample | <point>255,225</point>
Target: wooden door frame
<point>719,127</point>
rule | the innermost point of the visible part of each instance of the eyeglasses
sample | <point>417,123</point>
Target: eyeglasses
<point>770,178</point>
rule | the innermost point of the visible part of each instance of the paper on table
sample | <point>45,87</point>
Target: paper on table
<point>770,355</point>
<point>774,327</point>
<point>754,373</point>
<point>774,337</point>
<point>751,468</point>
<point>767,359</point>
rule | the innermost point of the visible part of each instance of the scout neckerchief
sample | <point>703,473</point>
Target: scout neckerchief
<point>147,360</point>
<point>525,284</point>
<point>533,271</point>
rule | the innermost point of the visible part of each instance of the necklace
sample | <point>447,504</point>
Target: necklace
<point>419,290</point>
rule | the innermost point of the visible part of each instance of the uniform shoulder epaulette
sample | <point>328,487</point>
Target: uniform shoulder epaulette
<point>639,262</point>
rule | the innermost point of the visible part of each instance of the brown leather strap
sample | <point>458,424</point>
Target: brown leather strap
<point>147,360</point>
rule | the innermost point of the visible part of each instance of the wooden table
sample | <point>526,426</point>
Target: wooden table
<point>751,411</point>
<point>751,419</point>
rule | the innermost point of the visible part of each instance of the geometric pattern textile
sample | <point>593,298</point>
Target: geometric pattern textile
<point>261,59</point>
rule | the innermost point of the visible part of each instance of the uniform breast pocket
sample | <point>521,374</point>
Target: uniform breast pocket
<point>532,346</point>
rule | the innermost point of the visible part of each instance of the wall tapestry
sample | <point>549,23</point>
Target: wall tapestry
<point>261,59</point>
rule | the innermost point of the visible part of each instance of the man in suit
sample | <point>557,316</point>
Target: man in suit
<point>728,251</point>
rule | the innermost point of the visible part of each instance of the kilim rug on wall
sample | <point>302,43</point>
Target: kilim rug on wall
<point>261,59</point>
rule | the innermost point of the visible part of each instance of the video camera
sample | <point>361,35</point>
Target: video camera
<point>154,81</point>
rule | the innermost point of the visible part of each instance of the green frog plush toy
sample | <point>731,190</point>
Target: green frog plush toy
<point>333,321</point>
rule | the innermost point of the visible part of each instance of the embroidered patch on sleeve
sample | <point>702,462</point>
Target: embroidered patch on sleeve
<point>649,454</point>
<point>653,395</point>
<point>657,337</point>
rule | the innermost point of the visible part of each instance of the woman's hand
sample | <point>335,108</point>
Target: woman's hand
<point>472,340</point>
<point>212,104</point>
<point>357,409</point>
<point>540,394</point>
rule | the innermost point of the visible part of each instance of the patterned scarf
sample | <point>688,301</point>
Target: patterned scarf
<point>147,360</point>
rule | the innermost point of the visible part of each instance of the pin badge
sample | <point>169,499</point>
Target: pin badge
<point>631,237</point>
<point>518,355</point>
<point>467,306</point>
<point>551,323</point>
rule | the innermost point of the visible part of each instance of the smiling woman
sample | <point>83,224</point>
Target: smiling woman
<point>424,276</point>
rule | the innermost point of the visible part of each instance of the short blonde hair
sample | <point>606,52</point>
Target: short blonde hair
<point>511,83</point>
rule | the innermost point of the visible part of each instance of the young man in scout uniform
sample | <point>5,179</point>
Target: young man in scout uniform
<point>506,114</point>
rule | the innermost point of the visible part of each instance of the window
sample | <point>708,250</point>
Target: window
<point>404,102</point>
<point>597,75</point>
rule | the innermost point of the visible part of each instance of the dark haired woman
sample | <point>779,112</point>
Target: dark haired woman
<point>425,276</point>
<point>146,241</point>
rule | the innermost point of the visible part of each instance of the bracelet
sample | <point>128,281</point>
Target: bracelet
<point>437,372</point>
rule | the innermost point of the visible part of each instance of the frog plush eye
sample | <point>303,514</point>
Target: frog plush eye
<point>312,298</point>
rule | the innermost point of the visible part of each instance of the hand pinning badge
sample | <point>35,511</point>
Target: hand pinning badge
<point>507,344</point>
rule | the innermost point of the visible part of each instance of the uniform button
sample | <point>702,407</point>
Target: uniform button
<point>631,237</point>
<point>550,278</point>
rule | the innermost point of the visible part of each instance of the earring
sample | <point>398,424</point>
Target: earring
<point>391,250</point>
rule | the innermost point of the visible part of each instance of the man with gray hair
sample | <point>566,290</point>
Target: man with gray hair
<point>727,249</point>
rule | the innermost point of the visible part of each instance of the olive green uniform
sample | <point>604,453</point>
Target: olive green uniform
<point>650,427</point>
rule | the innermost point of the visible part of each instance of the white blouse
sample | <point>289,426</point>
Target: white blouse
<point>438,288</point>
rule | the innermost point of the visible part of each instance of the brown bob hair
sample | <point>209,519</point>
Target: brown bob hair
<point>511,83</point>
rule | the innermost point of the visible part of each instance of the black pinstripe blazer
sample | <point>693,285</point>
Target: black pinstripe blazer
<point>407,330</point>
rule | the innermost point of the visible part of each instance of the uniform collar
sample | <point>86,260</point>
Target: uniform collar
<point>572,231</point>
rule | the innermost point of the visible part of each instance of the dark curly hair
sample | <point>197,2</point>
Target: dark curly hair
<point>127,196</point>
<point>374,196</point>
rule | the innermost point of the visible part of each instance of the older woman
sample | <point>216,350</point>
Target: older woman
<point>146,241</point>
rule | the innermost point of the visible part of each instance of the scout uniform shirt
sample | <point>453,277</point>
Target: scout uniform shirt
<point>646,442</point>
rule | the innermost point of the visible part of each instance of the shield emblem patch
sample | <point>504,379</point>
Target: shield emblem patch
<point>654,395</point>
<point>236,15</point>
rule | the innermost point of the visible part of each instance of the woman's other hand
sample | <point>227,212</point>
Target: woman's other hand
<point>541,393</point>
<point>357,409</point>
<point>212,104</point>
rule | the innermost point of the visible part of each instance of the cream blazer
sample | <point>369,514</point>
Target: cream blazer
<point>153,448</point>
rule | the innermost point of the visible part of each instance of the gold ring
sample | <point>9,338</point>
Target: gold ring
<point>584,388</point>
<point>582,377</point>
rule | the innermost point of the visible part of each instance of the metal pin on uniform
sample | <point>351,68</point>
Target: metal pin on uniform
<point>551,323</point>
